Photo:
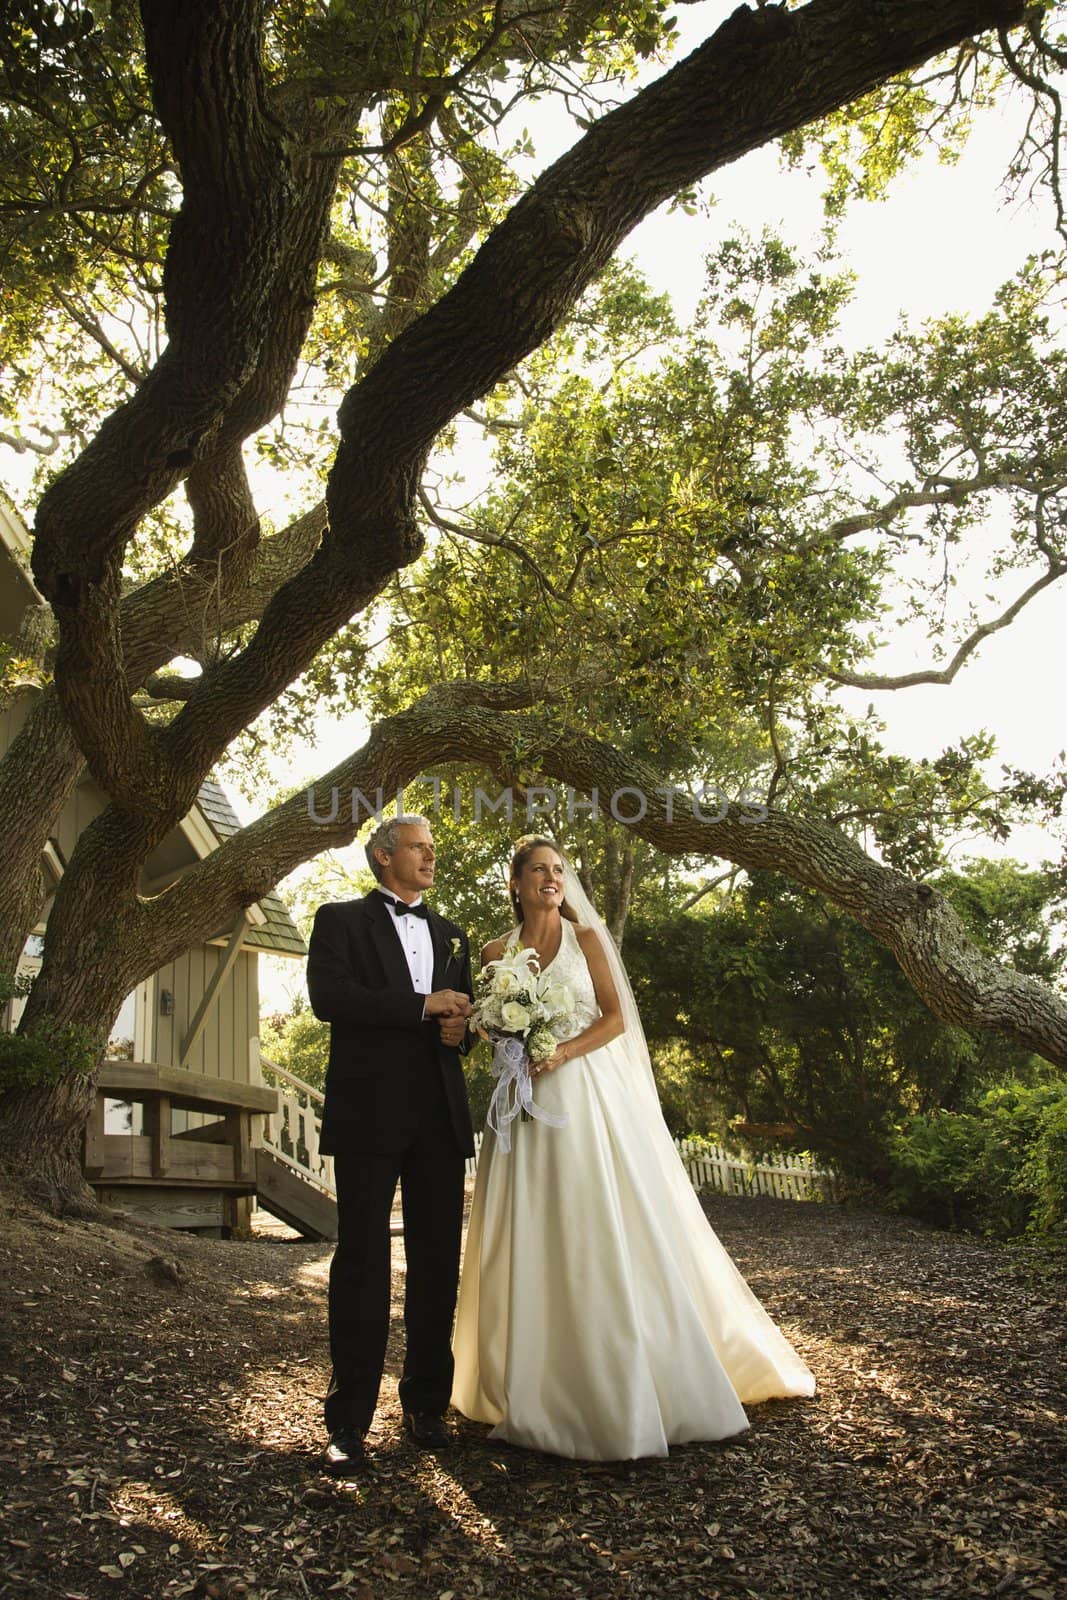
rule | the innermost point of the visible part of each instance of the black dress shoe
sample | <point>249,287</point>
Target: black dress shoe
<point>426,1430</point>
<point>346,1454</point>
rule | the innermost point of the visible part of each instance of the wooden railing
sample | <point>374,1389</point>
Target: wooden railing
<point>292,1134</point>
<point>220,1151</point>
<point>196,1170</point>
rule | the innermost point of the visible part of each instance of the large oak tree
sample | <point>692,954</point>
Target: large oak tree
<point>259,118</point>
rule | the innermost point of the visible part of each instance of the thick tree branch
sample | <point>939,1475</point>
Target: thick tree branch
<point>167,687</point>
<point>761,75</point>
<point>186,611</point>
<point>239,281</point>
<point>225,520</point>
<point>238,198</point>
<point>462,723</point>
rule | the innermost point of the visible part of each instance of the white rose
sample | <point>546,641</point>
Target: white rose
<point>557,999</point>
<point>514,1017</point>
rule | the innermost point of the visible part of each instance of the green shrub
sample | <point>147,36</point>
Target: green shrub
<point>1000,1170</point>
<point>42,1054</point>
<point>1046,1171</point>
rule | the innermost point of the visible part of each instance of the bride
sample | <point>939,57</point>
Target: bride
<point>599,1317</point>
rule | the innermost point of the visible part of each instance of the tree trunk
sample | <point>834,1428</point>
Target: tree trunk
<point>92,959</point>
<point>37,775</point>
<point>620,859</point>
<point>41,1143</point>
<point>620,909</point>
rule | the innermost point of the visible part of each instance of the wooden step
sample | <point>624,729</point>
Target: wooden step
<point>285,1194</point>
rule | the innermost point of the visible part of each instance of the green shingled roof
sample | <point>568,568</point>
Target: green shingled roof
<point>279,935</point>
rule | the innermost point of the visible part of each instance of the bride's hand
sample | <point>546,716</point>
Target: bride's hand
<point>550,1064</point>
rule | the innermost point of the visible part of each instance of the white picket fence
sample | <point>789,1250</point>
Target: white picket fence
<point>785,1177</point>
<point>292,1134</point>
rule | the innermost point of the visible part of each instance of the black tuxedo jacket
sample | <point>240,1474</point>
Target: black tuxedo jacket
<point>381,1051</point>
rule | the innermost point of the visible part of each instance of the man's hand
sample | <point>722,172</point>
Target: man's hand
<point>447,1003</point>
<point>452,1029</point>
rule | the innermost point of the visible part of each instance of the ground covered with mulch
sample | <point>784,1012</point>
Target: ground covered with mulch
<point>159,1398</point>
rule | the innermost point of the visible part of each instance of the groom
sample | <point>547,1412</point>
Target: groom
<point>393,979</point>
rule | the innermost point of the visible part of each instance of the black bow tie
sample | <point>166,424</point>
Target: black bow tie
<point>402,909</point>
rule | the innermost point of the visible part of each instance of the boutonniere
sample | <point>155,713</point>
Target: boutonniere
<point>455,947</point>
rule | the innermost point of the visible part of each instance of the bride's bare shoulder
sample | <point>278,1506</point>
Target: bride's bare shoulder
<point>589,940</point>
<point>494,949</point>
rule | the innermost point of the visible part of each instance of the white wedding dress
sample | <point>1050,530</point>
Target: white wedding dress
<point>599,1316</point>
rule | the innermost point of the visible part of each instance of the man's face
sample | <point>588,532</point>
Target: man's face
<point>408,872</point>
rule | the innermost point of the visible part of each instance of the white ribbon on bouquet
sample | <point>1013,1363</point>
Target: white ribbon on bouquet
<point>514,1092</point>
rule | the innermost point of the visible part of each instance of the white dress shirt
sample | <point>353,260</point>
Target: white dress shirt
<point>416,943</point>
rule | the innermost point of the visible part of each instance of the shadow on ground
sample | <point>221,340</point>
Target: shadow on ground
<point>161,1437</point>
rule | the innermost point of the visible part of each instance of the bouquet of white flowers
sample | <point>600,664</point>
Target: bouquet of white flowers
<point>526,1013</point>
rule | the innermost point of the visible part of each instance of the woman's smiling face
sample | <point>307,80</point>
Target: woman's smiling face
<point>540,879</point>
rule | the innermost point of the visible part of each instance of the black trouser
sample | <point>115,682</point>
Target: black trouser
<point>431,1172</point>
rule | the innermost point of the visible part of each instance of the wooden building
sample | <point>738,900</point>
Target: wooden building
<point>184,1131</point>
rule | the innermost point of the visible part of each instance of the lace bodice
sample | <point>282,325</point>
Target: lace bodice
<point>569,966</point>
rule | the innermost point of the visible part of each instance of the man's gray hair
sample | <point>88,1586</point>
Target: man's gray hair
<point>384,838</point>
